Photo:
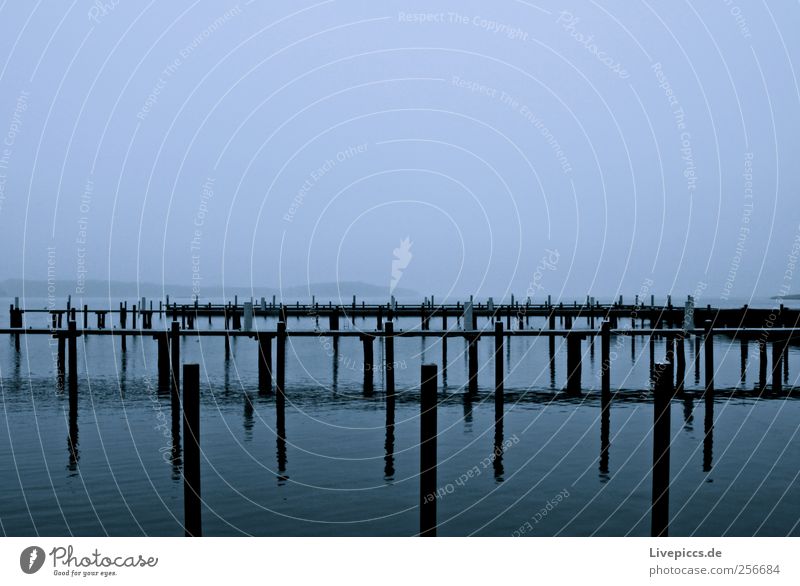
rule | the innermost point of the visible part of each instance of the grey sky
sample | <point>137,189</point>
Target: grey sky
<point>313,137</point>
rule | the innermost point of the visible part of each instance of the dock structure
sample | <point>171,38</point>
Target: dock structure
<point>475,323</point>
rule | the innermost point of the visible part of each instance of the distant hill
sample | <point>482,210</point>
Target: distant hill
<point>792,297</point>
<point>97,288</point>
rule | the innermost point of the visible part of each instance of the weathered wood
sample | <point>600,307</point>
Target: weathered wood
<point>428,456</point>
<point>191,451</point>
<point>662,398</point>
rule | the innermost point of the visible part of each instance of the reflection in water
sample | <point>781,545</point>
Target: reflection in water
<point>467,413</point>
<point>552,348</point>
<point>388,469</point>
<point>335,383</point>
<point>708,439</point>
<point>176,456</point>
<point>697,360</point>
<point>605,435</point>
<point>497,459</point>
<point>444,363</point>
<point>72,437</point>
<point>248,417</point>
<point>688,412</point>
<point>123,374</point>
<point>280,428</point>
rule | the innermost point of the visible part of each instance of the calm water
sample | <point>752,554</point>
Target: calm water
<point>341,473</point>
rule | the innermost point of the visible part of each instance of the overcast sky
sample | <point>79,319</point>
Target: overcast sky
<point>619,147</point>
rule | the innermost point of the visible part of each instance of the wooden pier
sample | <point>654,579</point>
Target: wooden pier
<point>675,326</point>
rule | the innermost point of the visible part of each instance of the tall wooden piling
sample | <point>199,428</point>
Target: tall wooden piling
<point>389,357</point>
<point>574,363</point>
<point>498,371</point>
<point>264,363</point>
<point>280,370</point>
<point>175,359</point>
<point>191,451</point>
<point>708,346</point>
<point>72,343</point>
<point>368,343</point>
<point>662,397</point>
<point>472,364</point>
<point>605,357</point>
<point>428,459</point>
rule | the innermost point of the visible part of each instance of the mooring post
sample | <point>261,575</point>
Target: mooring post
<point>574,363</point>
<point>367,342</point>
<point>379,318</point>
<point>662,397</point>
<point>175,360</point>
<point>498,371</point>
<point>708,344</point>
<point>605,351</point>
<point>280,359</point>
<point>264,363</point>
<point>389,360</point>
<point>60,364</point>
<point>191,451</point>
<point>72,342</point>
<point>427,460</point>
<point>472,367</point>
<point>133,316</point>
<point>85,316</point>
<point>123,324</point>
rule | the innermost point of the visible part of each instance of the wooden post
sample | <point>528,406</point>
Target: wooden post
<point>389,361</point>
<point>427,460</point>
<point>498,371</point>
<point>472,367</point>
<point>191,451</point>
<point>762,363</point>
<point>72,342</point>
<point>708,345</point>
<point>123,324</point>
<point>574,363</point>
<point>280,360</point>
<point>368,343</point>
<point>662,397</point>
<point>605,351</point>
<point>264,363</point>
<point>175,360</point>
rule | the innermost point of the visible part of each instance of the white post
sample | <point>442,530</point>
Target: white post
<point>248,316</point>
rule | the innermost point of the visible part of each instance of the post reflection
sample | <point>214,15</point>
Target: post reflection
<point>605,435</point>
<point>388,469</point>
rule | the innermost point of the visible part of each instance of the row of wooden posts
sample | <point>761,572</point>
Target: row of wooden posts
<point>667,378</point>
